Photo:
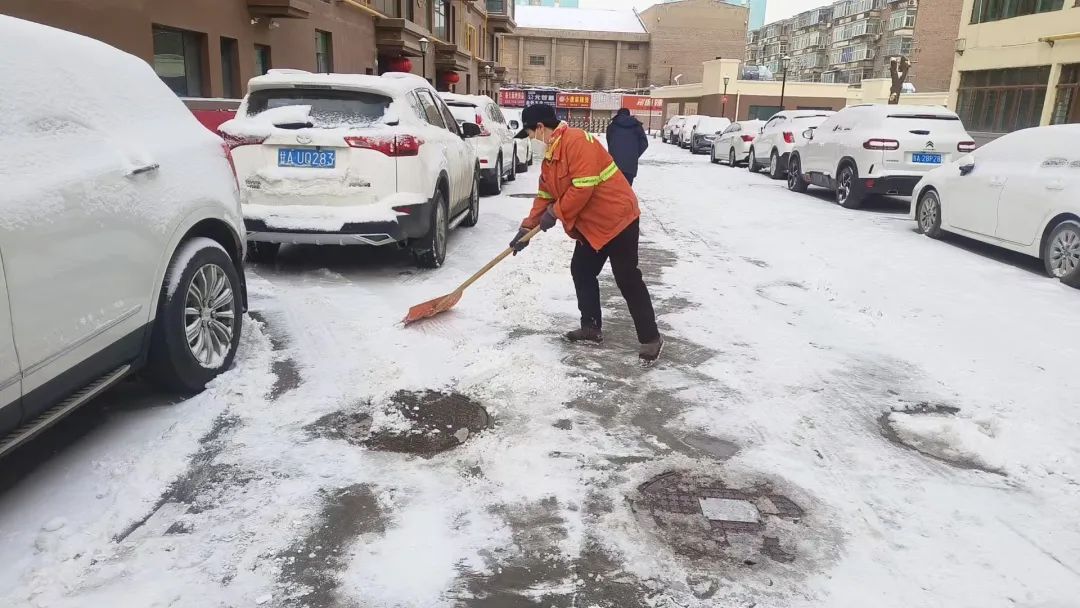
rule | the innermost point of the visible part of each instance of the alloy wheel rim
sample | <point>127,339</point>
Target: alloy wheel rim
<point>793,175</point>
<point>844,188</point>
<point>753,160</point>
<point>731,157</point>
<point>928,215</point>
<point>773,164</point>
<point>475,202</point>
<point>440,231</point>
<point>209,318</point>
<point>1065,253</point>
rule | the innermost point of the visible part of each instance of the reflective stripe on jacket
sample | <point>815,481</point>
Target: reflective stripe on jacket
<point>591,196</point>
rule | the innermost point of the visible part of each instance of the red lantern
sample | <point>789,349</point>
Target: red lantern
<point>452,78</point>
<point>400,64</point>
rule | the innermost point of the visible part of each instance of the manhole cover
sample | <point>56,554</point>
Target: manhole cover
<point>702,517</point>
<point>426,423</point>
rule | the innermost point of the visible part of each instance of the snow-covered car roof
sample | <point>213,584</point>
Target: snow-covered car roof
<point>805,113</point>
<point>476,100</point>
<point>390,83</point>
<point>881,109</point>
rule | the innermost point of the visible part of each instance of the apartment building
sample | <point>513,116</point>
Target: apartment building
<point>1017,64</point>
<point>211,48</point>
<point>933,46</point>
<point>622,49</point>
<point>852,40</point>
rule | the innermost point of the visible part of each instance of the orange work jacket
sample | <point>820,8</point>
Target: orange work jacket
<point>592,197</point>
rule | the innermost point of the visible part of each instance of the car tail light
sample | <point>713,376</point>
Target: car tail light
<point>235,141</point>
<point>480,123</point>
<point>881,144</point>
<point>789,137</point>
<point>748,138</point>
<point>232,165</point>
<point>965,146</point>
<point>395,145</point>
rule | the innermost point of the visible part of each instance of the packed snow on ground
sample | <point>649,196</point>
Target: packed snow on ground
<point>794,328</point>
<point>948,437</point>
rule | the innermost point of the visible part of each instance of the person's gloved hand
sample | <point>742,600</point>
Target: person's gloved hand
<point>548,219</point>
<point>517,244</point>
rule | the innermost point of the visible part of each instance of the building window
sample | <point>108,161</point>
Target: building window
<point>537,60</point>
<point>631,66</point>
<point>1000,101</point>
<point>470,39</point>
<point>762,112</point>
<point>984,11</point>
<point>633,46</point>
<point>1067,104</point>
<point>178,60</point>
<point>324,52</point>
<point>230,64</point>
<point>262,59</point>
<point>441,27</point>
<point>902,20</point>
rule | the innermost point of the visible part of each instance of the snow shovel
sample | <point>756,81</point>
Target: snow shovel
<point>442,304</point>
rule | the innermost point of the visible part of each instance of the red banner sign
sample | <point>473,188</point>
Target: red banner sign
<point>511,98</point>
<point>573,100</point>
<point>640,103</point>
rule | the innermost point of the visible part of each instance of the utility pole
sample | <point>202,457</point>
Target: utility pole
<point>723,109</point>
<point>783,85</point>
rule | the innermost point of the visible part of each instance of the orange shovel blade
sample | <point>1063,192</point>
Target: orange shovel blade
<point>431,308</point>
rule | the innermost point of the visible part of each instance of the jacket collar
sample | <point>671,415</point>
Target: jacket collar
<point>558,133</point>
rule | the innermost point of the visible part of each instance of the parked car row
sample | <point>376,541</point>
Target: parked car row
<point>123,236</point>
<point>1020,192</point>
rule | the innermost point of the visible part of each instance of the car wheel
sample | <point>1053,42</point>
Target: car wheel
<point>731,158</point>
<point>511,175</point>
<point>751,162</point>
<point>712,157</point>
<point>795,180</point>
<point>928,214</point>
<point>474,202</point>
<point>848,194</point>
<point>430,251</point>
<point>1061,254</point>
<point>775,171</point>
<point>262,253</point>
<point>199,318</point>
<point>520,166</point>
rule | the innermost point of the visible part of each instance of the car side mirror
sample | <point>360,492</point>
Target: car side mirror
<point>515,125</point>
<point>469,130</point>
<point>808,134</point>
<point>966,164</point>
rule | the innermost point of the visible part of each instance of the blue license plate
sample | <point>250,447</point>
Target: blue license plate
<point>309,158</point>
<point>926,158</point>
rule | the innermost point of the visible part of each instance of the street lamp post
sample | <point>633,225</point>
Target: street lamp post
<point>785,60</point>
<point>723,109</point>
<point>424,42</point>
<point>488,72</point>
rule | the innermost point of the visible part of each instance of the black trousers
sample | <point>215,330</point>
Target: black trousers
<point>630,178</point>
<point>623,253</point>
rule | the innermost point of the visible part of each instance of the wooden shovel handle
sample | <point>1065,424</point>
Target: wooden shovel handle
<point>528,236</point>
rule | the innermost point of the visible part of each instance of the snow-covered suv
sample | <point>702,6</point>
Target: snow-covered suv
<point>344,159</point>
<point>876,149</point>
<point>778,137</point>
<point>120,231</point>
<point>496,148</point>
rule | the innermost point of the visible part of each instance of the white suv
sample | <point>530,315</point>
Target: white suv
<point>671,127</point>
<point>343,159</point>
<point>876,149</point>
<point>686,131</point>
<point>525,152</point>
<point>120,231</point>
<point>496,148</point>
<point>779,136</point>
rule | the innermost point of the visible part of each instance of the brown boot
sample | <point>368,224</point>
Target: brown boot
<point>587,333</point>
<point>650,351</point>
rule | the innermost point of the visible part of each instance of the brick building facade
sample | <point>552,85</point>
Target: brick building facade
<point>934,51</point>
<point>685,33</point>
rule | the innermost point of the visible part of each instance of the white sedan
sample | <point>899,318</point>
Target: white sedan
<point>1021,192</point>
<point>733,145</point>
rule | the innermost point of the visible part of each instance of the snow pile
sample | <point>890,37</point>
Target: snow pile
<point>265,123</point>
<point>593,20</point>
<point>325,218</point>
<point>950,438</point>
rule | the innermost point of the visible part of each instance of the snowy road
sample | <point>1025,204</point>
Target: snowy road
<point>795,328</point>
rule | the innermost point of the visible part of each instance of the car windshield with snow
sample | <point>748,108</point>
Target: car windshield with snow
<point>352,160</point>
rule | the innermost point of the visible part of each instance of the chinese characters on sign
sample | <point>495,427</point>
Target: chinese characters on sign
<point>533,97</point>
<point>510,98</point>
<point>606,101</point>
<point>643,106</point>
<point>573,100</point>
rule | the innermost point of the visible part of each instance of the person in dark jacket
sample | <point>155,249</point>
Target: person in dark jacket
<point>626,142</point>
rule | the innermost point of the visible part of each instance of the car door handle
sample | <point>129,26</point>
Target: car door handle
<point>144,169</point>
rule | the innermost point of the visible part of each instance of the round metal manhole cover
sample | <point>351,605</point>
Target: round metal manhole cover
<point>702,517</point>
<point>423,423</point>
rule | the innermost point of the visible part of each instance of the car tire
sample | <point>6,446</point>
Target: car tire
<point>731,158</point>
<point>751,161</point>
<point>474,202</point>
<point>713,159</point>
<point>1061,253</point>
<point>795,180</point>
<point>520,167</point>
<point>430,250</point>
<point>849,194</point>
<point>262,253</point>
<point>928,214</point>
<point>511,175</point>
<point>494,185</point>
<point>775,172</point>
<point>200,294</point>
